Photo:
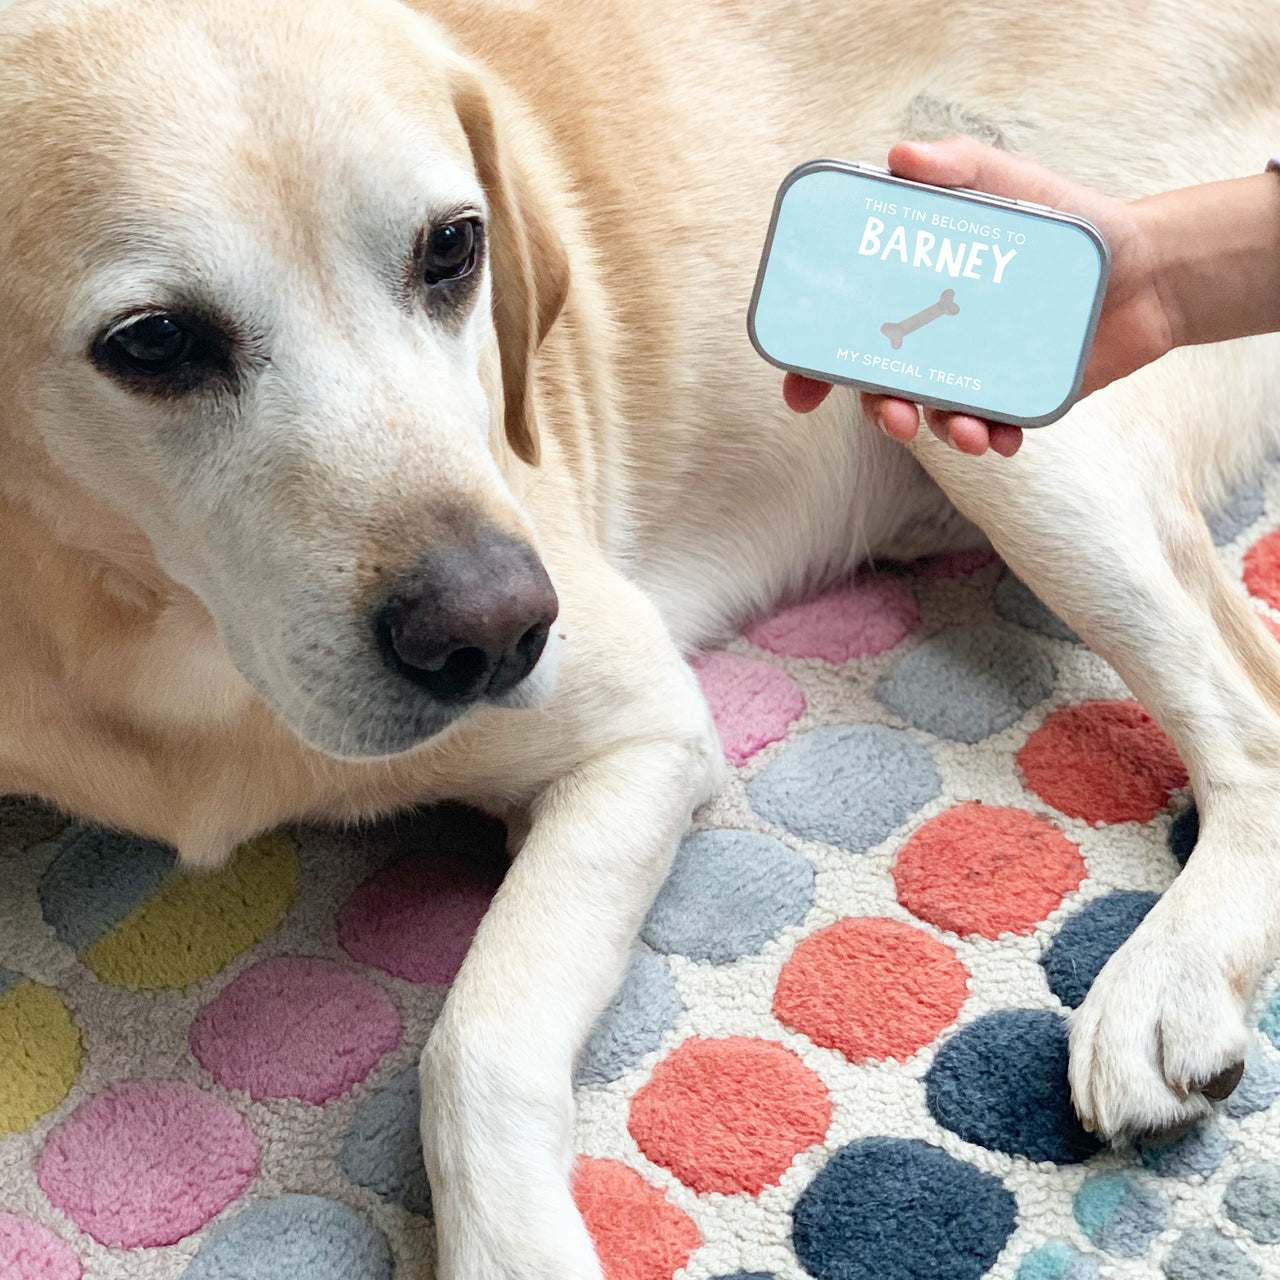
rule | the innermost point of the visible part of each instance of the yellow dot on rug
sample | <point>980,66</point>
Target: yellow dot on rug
<point>39,1054</point>
<point>196,923</point>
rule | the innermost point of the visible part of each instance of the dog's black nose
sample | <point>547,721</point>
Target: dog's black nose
<point>472,620</point>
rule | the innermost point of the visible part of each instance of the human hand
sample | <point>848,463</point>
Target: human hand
<point>1133,327</point>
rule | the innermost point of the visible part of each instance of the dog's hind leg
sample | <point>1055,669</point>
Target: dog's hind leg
<point>1096,514</point>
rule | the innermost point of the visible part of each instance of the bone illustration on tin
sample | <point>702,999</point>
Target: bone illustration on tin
<point>895,331</point>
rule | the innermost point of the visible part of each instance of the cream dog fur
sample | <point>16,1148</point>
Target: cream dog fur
<point>192,562</point>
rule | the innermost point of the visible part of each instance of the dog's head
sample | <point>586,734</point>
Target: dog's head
<point>271,283</point>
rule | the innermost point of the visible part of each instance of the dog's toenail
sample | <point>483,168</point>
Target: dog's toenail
<point>1222,1085</point>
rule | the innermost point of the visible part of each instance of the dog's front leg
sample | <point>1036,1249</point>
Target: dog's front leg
<point>1096,514</point>
<point>497,1104</point>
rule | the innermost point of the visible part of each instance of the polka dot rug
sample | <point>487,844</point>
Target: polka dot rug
<point>838,1052</point>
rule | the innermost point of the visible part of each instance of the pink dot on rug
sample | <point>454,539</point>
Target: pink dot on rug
<point>753,703</point>
<point>978,868</point>
<point>637,1232</point>
<point>145,1163</point>
<point>415,919</point>
<point>871,988</point>
<point>295,1027</point>
<point>956,564</point>
<point>29,1251</point>
<point>1103,762</point>
<point>729,1115</point>
<point>857,620</point>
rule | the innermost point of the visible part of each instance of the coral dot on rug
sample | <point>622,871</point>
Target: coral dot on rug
<point>291,1238</point>
<point>729,1115</point>
<point>871,988</point>
<point>846,785</point>
<point>174,1157</point>
<point>295,1027</point>
<point>1001,1082</point>
<point>728,893</point>
<point>1262,569</point>
<point>901,1209</point>
<point>986,870</point>
<point>753,703</point>
<point>29,1251</point>
<point>637,1232</point>
<point>1103,762</point>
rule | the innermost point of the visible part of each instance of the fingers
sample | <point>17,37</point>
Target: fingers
<point>802,394</point>
<point>973,436</point>
<point>898,419</point>
<point>966,162</point>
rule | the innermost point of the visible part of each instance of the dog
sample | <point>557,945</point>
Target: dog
<point>380,426</point>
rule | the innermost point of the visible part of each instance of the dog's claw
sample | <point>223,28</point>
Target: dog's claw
<point>1223,1084</point>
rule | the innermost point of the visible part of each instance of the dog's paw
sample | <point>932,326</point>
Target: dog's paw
<point>1160,1034</point>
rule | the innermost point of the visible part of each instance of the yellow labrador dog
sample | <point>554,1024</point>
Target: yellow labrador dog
<point>378,424</point>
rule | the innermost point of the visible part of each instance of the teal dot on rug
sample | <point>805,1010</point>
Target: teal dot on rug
<point>1119,1213</point>
<point>1252,1201</point>
<point>846,785</point>
<point>728,893</point>
<point>968,683</point>
<point>382,1148</point>
<point>292,1237</point>
<point>1259,1087</point>
<point>1206,1255</point>
<point>1195,1154</point>
<point>641,1012</point>
<point>1058,1261</point>
<point>1015,602</point>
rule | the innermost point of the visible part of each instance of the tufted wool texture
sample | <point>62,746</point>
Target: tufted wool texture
<point>838,1051</point>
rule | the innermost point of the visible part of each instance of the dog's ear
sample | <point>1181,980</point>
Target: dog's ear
<point>528,265</point>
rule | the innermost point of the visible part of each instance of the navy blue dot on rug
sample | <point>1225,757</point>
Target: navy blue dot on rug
<point>9,979</point>
<point>1183,834</point>
<point>1058,1261</point>
<point>1252,1201</point>
<point>747,1275</point>
<point>901,1209</point>
<point>96,878</point>
<point>1001,1082</point>
<point>968,683</point>
<point>1015,602</point>
<point>382,1148</point>
<point>1089,939</point>
<point>1120,1213</point>
<point>642,1010</point>
<point>727,894</point>
<point>1259,1087</point>
<point>1206,1255</point>
<point>1195,1154</point>
<point>847,785</point>
<point>1240,510</point>
<point>291,1237</point>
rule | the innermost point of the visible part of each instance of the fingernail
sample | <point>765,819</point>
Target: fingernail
<point>880,427</point>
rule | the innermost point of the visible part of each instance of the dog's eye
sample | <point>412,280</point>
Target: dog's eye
<point>451,251</point>
<point>154,344</point>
